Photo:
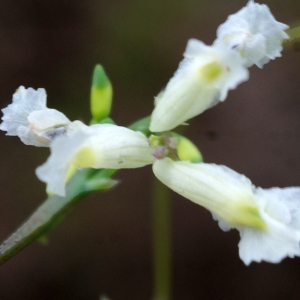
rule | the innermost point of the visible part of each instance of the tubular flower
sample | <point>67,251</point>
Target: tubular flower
<point>254,33</point>
<point>203,79</point>
<point>98,146</point>
<point>29,118</point>
<point>267,219</point>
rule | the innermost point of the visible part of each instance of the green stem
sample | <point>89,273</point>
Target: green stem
<point>161,241</point>
<point>53,210</point>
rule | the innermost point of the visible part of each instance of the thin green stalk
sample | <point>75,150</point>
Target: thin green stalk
<point>49,214</point>
<point>161,241</point>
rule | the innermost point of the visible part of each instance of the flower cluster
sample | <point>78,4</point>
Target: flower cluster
<point>267,220</point>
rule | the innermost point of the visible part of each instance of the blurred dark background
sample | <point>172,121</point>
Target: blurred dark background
<point>104,245</point>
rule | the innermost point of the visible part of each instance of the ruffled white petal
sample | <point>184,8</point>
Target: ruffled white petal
<point>254,33</point>
<point>268,220</point>
<point>29,118</point>
<point>42,120</point>
<point>54,170</point>
<point>43,126</point>
<point>24,102</point>
<point>203,78</point>
<point>99,146</point>
<point>28,137</point>
<point>280,208</point>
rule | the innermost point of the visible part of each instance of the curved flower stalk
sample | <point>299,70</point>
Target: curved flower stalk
<point>203,79</point>
<point>29,118</point>
<point>268,220</point>
<point>254,33</point>
<point>98,146</point>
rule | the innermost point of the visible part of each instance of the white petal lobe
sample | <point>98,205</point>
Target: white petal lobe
<point>29,118</point>
<point>254,33</point>
<point>24,102</point>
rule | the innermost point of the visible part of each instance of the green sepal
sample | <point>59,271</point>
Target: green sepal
<point>103,121</point>
<point>96,184</point>
<point>142,126</point>
<point>187,150</point>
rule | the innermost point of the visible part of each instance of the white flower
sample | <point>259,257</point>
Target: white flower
<point>203,78</point>
<point>280,209</point>
<point>268,220</point>
<point>254,33</point>
<point>29,118</point>
<point>98,146</point>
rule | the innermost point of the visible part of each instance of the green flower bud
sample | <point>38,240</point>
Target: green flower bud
<point>101,95</point>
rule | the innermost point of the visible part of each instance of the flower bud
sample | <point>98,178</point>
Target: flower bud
<point>101,95</point>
